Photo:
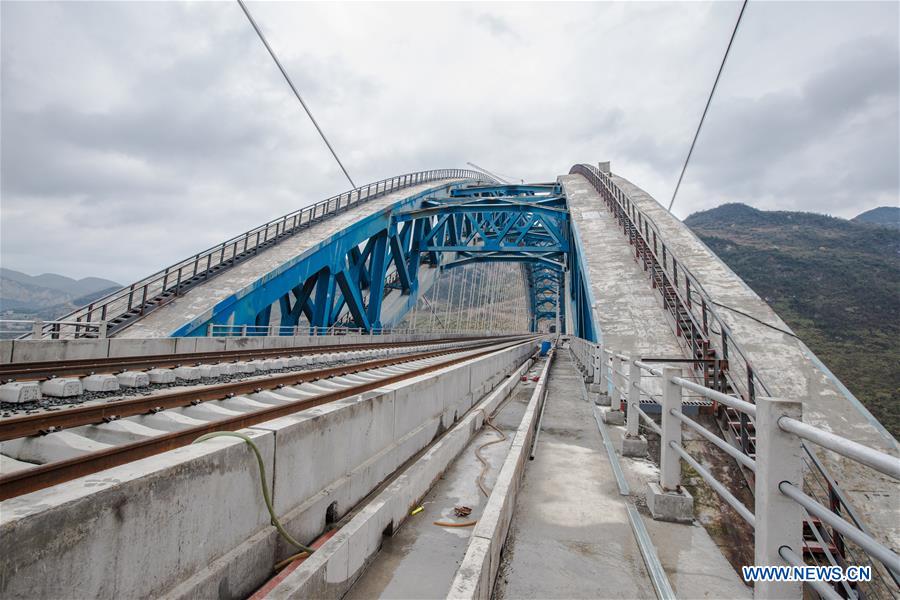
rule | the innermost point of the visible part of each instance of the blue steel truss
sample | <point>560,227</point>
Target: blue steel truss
<point>350,276</point>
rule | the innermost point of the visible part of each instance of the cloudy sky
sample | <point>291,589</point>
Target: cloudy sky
<point>137,133</point>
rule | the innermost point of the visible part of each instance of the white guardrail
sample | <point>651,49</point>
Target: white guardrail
<point>276,330</point>
<point>781,506</point>
<point>36,330</point>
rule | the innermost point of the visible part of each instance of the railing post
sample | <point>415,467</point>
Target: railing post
<point>618,384</point>
<point>633,443</point>
<point>209,330</point>
<point>669,461</point>
<point>615,416</point>
<point>37,329</point>
<point>604,367</point>
<point>634,399</point>
<point>779,520</point>
<point>596,358</point>
<point>101,330</point>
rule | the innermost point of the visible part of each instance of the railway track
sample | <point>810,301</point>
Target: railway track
<point>36,386</point>
<point>167,421</point>
<point>38,371</point>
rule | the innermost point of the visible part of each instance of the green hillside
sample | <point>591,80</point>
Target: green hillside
<point>835,282</point>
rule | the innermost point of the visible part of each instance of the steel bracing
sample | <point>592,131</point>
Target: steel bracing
<point>370,274</point>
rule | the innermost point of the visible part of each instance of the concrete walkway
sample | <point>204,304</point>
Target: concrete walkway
<point>570,536</point>
<point>420,560</point>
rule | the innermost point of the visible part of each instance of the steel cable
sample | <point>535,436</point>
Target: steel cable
<point>294,89</point>
<point>708,102</point>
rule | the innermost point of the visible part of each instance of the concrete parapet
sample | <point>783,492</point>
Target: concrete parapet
<point>6,350</point>
<point>46,350</point>
<point>194,504</point>
<point>126,347</point>
<point>16,351</point>
<point>669,505</point>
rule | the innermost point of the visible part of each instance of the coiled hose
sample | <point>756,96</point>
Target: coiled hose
<point>485,465</point>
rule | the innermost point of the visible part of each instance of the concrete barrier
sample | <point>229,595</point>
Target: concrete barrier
<point>478,570</point>
<point>122,347</point>
<point>16,351</point>
<point>137,530</point>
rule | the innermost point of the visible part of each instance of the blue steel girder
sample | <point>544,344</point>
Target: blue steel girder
<point>347,277</point>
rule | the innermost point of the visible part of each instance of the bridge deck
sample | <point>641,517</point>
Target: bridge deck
<point>202,298</point>
<point>629,314</point>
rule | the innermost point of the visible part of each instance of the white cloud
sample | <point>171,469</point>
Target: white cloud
<point>147,131</point>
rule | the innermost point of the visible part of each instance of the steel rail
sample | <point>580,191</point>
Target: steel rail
<point>49,422</point>
<point>37,370</point>
<point>649,421</point>
<point>49,474</point>
<point>730,401</point>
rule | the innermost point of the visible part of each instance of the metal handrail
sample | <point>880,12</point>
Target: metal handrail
<point>630,209</point>
<point>781,423</point>
<point>180,276</point>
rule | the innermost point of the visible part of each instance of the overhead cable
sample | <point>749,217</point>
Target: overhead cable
<point>708,102</point>
<point>294,89</point>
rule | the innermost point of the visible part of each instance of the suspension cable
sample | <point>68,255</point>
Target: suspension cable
<point>294,89</point>
<point>708,102</point>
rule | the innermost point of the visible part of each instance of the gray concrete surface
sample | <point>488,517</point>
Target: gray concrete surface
<point>627,311</point>
<point>422,548</point>
<point>789,369</point>
<point>570,536</point>
<point>200,299</point>
<point>331,571</point>
<point>693,562</point>
<point>57,350</point>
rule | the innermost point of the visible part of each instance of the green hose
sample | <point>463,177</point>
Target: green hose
<point>262,480</point>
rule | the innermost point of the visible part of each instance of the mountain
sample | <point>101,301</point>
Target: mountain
<point>47,296</point>
<point>889,216</point>
<point>76,287</point>
<point>835,282</point>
